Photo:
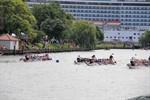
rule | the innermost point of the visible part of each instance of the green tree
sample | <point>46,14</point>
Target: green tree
<point>53,28</point>
<point>51,19</point>
<point>17,17</point>
<point>1,17</point>
<point>99,34</point>
<point>145,38</point>
<point>84,34</point>
<point>40,35</point>
<point>67,33</point>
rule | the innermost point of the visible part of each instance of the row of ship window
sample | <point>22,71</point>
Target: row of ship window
<point>120,37</point>
<point>134,33</point>
<point>103,3</point>
<point>123,16</point>
<point>137,24</point>
<point>115,8</point>
<point>104,11</point>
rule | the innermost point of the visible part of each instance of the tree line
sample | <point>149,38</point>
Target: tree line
<point>51,20</point>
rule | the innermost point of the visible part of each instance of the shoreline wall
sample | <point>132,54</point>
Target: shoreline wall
<point>22,52</point>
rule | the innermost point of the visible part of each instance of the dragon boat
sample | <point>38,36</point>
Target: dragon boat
<point>137,66</point>
<point>137,63</point>
<point>92,61</point>
<point>33,58</point>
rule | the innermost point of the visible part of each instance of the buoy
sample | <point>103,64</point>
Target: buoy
<point>57,61</point>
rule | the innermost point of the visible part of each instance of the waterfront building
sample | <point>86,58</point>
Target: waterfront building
<point>10,42</point>
<point>124,20</point>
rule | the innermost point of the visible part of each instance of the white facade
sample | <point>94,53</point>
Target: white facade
<point>122,35</point>
<point>10,44</point>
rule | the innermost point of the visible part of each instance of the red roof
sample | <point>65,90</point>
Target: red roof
<point>7,37</point>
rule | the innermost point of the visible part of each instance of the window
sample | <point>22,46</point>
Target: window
<point>130,37</point>
<point>134,33</point>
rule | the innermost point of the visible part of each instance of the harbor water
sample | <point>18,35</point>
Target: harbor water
<point>61,79</point>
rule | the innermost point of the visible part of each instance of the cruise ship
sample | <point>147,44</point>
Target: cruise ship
<point>121,20</point>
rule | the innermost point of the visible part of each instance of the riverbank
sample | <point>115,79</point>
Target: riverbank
<point>21,52</point>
